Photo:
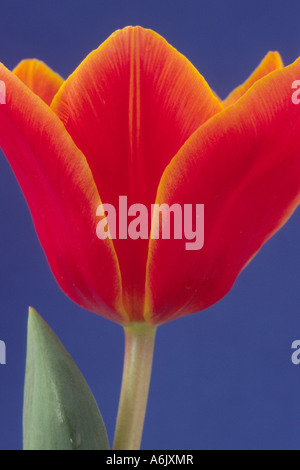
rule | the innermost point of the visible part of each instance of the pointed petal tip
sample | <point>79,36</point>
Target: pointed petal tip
<point>272,61</point>
<point>39,77</point>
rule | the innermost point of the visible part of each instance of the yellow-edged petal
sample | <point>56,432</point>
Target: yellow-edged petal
<point>40,78</point>
<point>272,61</point>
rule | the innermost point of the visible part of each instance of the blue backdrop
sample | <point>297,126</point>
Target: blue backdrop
<point>222,379</point>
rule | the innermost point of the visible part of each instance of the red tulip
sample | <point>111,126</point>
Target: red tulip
<point>136,119</point>
<point>137,122</point>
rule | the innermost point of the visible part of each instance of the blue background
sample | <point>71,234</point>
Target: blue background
<point>222,379</point>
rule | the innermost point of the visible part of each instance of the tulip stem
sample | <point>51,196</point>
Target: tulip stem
<point>139,345</point>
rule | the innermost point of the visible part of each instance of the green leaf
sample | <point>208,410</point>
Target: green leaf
<point>60,412</point>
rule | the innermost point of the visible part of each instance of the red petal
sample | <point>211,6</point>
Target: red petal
<point>244,166</point>
<point>272,61</point>
<point>129,107</point>
<point>62,198</point>
<point>39,78</point>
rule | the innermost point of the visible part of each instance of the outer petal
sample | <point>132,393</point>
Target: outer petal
<point>272,61</point>
<point>129,107</point>
<point>244,166</point>
<point>39,78</point>
<point>62,198</point>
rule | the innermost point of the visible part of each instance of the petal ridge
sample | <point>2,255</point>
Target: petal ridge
<point>129,107</point>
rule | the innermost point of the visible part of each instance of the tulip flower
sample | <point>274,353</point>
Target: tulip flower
<point>136,119</point>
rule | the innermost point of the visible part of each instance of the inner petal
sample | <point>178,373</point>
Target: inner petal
<point>129,107</point>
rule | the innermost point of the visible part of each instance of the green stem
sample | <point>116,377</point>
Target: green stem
<point>139,345</point>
